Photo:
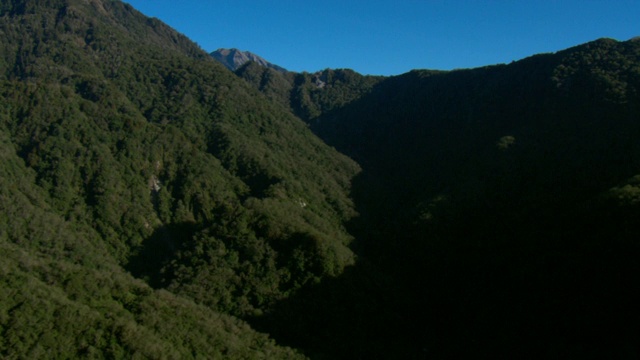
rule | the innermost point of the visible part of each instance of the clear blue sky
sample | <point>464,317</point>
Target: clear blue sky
<point>390,37</point>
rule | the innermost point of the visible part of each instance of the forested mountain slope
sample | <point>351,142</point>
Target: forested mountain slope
<point>500,204</point>
<point>151,198</point>
<point>308,95</point>
<point>126,148</point>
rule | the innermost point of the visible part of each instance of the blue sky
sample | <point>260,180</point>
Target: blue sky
<point>390,37</point>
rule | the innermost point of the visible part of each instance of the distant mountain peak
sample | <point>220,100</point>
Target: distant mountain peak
<point>234,59</point>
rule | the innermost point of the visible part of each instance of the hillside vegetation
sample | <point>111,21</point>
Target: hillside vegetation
<point>127,149</point>
<point>154,204</point>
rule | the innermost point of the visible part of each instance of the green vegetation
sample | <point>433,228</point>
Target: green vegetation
<point>309,95</point>
<point>154,204</point>
<point>127,147</point>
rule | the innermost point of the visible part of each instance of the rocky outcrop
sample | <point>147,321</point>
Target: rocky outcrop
<point>234,59</point>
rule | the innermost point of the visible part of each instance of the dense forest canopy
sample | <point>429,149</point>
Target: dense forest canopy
<point>154,204</point>
<point>126,142</point>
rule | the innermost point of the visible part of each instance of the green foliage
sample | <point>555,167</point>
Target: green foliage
<point>505,142</point>
<point>148,195</point>
<point>320,93</point>
<point>126,146</point>
<point>309,95</point>
<point>56,308</point>
<point>627,194</point>
<point>276,85</point>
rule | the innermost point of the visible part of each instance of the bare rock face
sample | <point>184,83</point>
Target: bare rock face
<point>234,59</point>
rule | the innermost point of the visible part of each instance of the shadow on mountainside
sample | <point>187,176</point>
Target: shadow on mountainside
<point>158,250</point>
<point>497,220</point>
<point>561,285</point>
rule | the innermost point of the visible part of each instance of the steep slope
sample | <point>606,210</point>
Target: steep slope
<point>499,204</point>
<point>233,59</point>
<point>309,95</point>
<point>63,295</point>
<point>275,85</point>
<point>557,122</point>
<point>147,154</point>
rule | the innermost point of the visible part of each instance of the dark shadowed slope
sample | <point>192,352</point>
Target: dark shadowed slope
<point>498,209</point>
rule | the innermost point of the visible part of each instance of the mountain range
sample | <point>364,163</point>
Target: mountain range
<point>157,203</point>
